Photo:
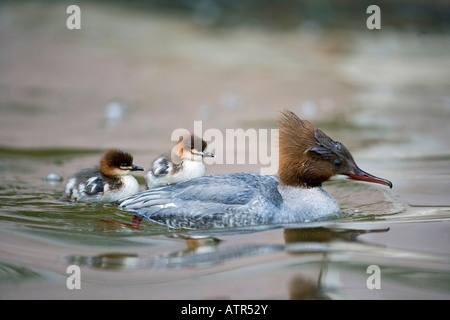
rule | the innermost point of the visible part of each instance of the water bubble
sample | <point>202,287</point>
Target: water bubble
<point>309,109</point>
<point>114,113</point>
<point>53,177</point>
<point>231,101</point>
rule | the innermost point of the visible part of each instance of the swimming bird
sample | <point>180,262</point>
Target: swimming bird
<point>307,158</point>
<point>108,182</point>
<point>183,162</point>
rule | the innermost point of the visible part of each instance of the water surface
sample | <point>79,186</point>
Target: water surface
<point>128,78</point>
<point>41,237</point>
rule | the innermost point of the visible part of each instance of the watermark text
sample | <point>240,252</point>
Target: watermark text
<point>237,146</point>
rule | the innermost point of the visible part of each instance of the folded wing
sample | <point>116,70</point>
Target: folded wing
<point>209,201</point>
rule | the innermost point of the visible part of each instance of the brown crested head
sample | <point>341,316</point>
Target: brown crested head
<point>115,162</point>
<point>189,145</point>
<point>308,157</point>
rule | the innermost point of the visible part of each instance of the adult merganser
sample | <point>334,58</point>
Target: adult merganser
<point>108,182</point>
<point>183,162</point>
<point>307,158</point>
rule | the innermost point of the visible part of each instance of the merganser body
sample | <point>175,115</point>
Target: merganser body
<point>307,158</point>
<point>108,182</point>
<point>182,163</point>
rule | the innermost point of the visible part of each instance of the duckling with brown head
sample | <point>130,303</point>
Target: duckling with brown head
<point>108,182</point>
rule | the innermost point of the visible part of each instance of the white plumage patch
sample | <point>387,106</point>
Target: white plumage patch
<point>70,185</point>
<point>168,205</point>
<point>82,188</point>
<point>92,182</point>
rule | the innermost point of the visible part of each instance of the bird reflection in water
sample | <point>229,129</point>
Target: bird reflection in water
<point>301,241</point>
<point>203,250</point>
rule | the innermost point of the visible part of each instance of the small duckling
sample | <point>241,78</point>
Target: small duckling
<point>184,162</point>
<point>108,182</point>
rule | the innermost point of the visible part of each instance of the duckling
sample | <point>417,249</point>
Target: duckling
<point>183,163</point>
<point>108,182</point>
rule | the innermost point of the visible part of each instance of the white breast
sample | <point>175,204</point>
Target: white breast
<point>191,169</point>
<point>306,204</point>
<point>130,186</point>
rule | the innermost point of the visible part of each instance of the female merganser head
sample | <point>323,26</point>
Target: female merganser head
<point>308,157</point>
<point>108,182</point>
<point>184,162</point>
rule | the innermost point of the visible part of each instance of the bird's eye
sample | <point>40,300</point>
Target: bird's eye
<point>337,163</point>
